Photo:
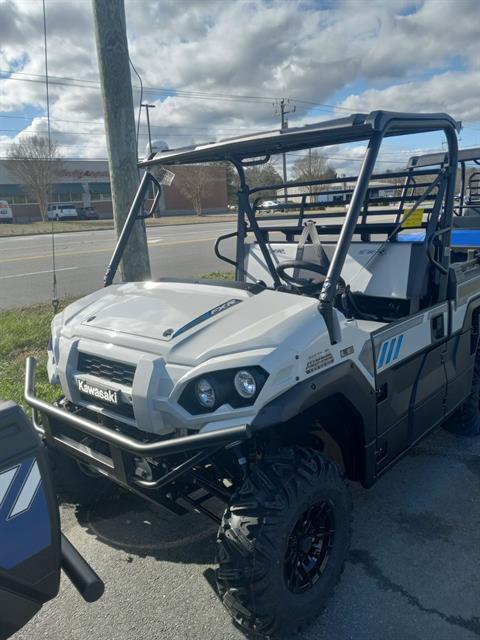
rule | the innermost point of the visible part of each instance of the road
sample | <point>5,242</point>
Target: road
<point>81,259</point>
<point>412,572</point>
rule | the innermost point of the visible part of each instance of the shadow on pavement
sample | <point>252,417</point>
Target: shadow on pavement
<point>412,572</point>
<point>132,525</point>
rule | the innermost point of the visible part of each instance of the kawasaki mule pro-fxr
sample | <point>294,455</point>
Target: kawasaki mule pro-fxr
<point>340,343</point>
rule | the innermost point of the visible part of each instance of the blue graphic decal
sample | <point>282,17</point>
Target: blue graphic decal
<point>383,352</point>
<point>389,351</point>
<point>24,516</point>
<point>207,315</point>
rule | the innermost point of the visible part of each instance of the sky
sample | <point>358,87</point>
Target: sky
<point>216,68</point>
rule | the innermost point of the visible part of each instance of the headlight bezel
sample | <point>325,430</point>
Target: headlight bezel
<point>223,384</point>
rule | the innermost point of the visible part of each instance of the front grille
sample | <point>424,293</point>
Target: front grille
<point>122,409</point>
<point>106,369</point>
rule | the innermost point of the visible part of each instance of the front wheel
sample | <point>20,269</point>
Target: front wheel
<point>283,542</point>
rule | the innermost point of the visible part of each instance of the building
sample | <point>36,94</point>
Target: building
<point>338,192</point>
<point>86,183</point>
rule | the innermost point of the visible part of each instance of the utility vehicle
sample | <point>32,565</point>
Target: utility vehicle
<point>467,201</point>
<point>343,339</point>
<point>33,548</point>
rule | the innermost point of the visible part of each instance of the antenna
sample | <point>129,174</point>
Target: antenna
<point>54,272</point>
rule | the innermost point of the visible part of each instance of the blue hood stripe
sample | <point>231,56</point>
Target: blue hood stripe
<point>208,314</point>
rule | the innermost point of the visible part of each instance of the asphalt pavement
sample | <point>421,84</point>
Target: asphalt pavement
<point>81,258</point>
<point>412,572</point>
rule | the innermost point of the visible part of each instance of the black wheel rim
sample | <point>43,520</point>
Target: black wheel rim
<point>309,547</point>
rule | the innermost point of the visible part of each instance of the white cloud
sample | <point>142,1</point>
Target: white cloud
<point>456,93</point>
<point>411,55</point>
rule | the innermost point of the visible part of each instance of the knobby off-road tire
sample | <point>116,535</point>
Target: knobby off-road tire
<point>74,485</point>
<point>465,420</point>
<point>264,536</point>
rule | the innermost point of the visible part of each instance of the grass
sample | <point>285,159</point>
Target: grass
<point>40,228</point>
<point>25,332</point>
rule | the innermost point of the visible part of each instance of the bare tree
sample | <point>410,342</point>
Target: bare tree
<point>195,184</point>
<point>35,164</point>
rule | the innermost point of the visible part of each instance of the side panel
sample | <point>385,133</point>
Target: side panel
<point>410,380</point>
<point>29,523</point>
<point>429,394</point>
<point>459,363</point>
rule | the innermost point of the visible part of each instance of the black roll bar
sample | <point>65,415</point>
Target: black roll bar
<point>133,216</point>
<point>328,291</point>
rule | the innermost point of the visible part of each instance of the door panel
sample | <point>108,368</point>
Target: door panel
<point>459,362</point>
<point>411,380</point>
<point>429,394</point>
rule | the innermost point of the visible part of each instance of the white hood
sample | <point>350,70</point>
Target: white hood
<point>189,323</point>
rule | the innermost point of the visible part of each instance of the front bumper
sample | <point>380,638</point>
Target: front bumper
<point>121,449</point>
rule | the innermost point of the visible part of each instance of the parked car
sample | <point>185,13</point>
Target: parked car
<point>62,212</point>
<point>269,204</point>
<point>6,214</point>
<point>87,213</point>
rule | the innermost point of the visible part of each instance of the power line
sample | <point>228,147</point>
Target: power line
<point>178,93</point>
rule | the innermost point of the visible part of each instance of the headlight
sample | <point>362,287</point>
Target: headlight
<point>205,393</point>
<point>236,387</point>
<point>245,384</point>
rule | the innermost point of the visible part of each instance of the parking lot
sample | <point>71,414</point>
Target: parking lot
<point>412,571</point>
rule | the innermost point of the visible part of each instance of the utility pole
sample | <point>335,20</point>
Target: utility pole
<point>114,69</point>
<point>282,107</point>
<point>147,108</point>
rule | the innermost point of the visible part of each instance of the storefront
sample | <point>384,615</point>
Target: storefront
<point>85,183</point>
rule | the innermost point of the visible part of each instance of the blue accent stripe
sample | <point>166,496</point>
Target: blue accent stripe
<point>383,352</point>
<point>205,316</point>
<point>390,351</point>
<point>399,344</point>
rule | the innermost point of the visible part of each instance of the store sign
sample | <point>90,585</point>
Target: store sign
<point>83,175</point>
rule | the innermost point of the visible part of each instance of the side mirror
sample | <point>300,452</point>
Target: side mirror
<point>30,556</point>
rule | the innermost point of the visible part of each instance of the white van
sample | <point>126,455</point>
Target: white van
<point>6,214</point>
<point>62,212</point>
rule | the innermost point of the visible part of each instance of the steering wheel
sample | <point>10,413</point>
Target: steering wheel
<point>302,284</point>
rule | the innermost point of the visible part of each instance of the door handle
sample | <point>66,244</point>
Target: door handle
<point>437,327</point>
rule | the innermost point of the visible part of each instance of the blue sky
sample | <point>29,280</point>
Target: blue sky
<point>213,68</point>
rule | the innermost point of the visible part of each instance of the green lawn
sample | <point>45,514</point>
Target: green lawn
<point>25,332</point>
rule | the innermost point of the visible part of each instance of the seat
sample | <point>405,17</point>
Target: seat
<point>391,279</point>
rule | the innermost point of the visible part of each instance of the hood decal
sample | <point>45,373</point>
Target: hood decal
<point>205,316</point>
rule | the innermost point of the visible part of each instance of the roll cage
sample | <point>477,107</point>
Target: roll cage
<point>363,203</point>
<point>469,187</point>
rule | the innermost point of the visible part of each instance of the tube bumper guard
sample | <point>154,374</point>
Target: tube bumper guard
<point>114,465</point>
